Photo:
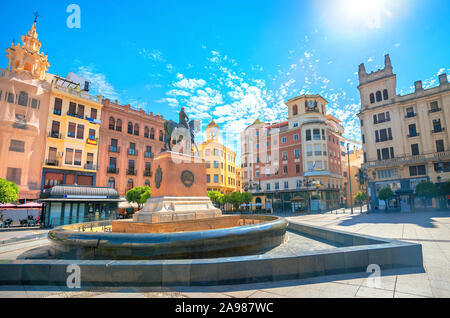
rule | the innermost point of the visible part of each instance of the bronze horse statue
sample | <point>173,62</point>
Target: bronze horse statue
<point>172,129</point>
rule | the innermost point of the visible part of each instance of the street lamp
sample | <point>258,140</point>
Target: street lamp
<point>349,178</point>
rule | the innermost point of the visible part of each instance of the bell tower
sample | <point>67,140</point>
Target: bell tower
<point>27,58</point>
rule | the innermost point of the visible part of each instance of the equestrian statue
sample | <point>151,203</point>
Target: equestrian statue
<point>175,133</point>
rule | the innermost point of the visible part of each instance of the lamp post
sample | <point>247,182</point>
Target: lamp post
<point>349,178</point>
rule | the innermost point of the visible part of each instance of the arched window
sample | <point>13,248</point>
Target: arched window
<point>23,99</point>
<point>161,135</point>
<point>112,183</point>
<point>147,183</point>
<point>152,133</point>
<point>146,132</point>
<point>372,98</point>
<point>379,96</point>
<point>136,129</point>
<point>112,123</point>
<point>294,110</point>
<point>119,125</point>
<point>385,94</point>
<point>130,128</point>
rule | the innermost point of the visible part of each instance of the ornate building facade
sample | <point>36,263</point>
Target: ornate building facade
<point>24,100</point>
<point>406,138</point>
<point>295,165</point>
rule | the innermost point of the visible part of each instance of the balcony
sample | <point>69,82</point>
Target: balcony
<point>92,120</point>
<point>434,110</point>
<point>57,112</point>
<point>147,173</point>
<point>131,172</point>
<point>437,130</point>
<point>132,152</point>
<point>52,162</point>
<point>75,115</point>
<point>410,115</point>
<point>112,170</point>
<point>54,134</point>
<point>114,149</point>
<point>407,160</point>
<point>413,135</point>
<point>148,155</point>
<point>90,166</point>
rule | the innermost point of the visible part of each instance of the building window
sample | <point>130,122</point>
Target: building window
<point>58,106</point>
<point>316,134</point>
<point>294,110</point>
<point>146,132</point>
<point>111,183</point>
<point>92,134</point>
<point>378,96</point>
<point>297,169</point>
<point>10,98</point>
<point>69,156</point>
<point>152,133</point>
<point>23,99</point>
<point>93,113</point>
<point>296,137</point>
<point>308,135</point>
<point>208,178</point>
<point>216,178</point>
<point>410,112</point>
<point>80,111</point>
<point>437,125</point>
<point>372,98</point>
<point>130,128</point>
<point>119,125</point>
<point>363,139</point>
<point>17,146</point>
<point>268,186</point>
<point>13,175</point>
<point>434,107</point>
<point>417,170</point>
<point>297,153</point>
<point>35,103</point>
<point>440,146</point>
<point>284,155</point>
<point>78,155</point>
<point>412,130</point>
<point>216,164</point>
<point>136,129</point>
<point>415,149</point>
<point>130,184</point>
<point>112,123</point>
<point>286,185</point>
<point>80,132</point>
<point>383,135</point>
<point>285,170</point>
<point>283,140</point>
<point>385,94</point>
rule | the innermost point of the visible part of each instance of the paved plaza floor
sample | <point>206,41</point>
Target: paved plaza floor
<point>431,229</point>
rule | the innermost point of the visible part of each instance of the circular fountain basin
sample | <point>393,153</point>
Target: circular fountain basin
<point>234,235</point>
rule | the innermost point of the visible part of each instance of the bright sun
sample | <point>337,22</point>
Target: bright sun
<point>369,12</point>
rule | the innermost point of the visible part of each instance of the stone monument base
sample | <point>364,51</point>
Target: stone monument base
<point>172,209</point>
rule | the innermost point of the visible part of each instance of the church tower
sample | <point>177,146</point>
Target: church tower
<point>212,131</point>
<point>27,58</point>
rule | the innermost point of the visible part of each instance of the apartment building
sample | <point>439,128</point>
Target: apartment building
<point>295,165</point>
<point>221,172</point>
<point>129,141</point>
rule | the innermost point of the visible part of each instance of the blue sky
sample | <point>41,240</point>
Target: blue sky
<point>236,61</point>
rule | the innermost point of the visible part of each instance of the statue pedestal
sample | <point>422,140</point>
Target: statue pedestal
<point>178,191</point>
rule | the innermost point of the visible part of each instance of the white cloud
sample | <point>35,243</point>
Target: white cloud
<point>190,83</point>
<point>99,83</point>
<point>154,55</point>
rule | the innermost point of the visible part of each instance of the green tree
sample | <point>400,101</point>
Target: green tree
<point>139,195</point>
<point>226,199</point>
<point>8,191</point>
<point>386,195</point>
<point>216,197</point>
<point>247,197</point>
<point>427,190</point>
<point>236,200</point>
<point>360,197</point>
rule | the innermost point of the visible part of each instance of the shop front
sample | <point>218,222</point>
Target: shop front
<point>75,204</point>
